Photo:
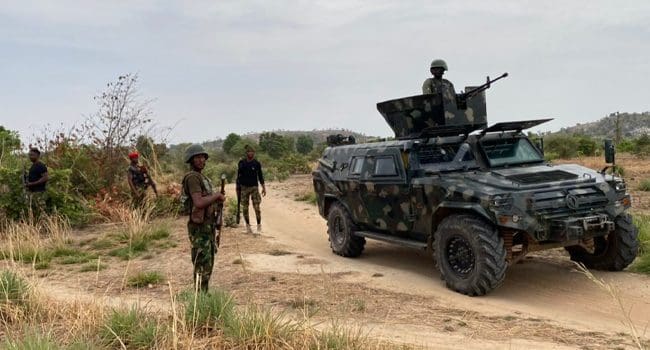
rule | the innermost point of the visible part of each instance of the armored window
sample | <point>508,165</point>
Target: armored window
<point>436,154</point>
<point>385,166</point>
<point>355,167</point>
<point>510,151</point>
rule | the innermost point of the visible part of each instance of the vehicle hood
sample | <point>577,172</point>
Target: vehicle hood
<point>538,176</point>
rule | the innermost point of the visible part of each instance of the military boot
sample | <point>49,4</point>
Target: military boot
<point>249,229</point>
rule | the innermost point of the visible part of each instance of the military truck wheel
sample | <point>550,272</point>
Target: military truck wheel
<point>470,255</point>
<point>613,252</point>
<point>340,229</point>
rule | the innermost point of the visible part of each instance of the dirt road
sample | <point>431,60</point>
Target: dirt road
<point>545,287</point>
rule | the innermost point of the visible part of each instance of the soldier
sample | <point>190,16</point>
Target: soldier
<point>201,224</point>
<point>139,180</point>
<point>36,182</point>
<point>249,173</point>
<point>437,84</point>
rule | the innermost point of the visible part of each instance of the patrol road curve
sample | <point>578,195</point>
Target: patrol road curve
<point>544,286</point>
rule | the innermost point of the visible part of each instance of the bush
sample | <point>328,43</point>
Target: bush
<point>13,289</point>
<point>644,185</point>
<point>134,328</point>
<point>32,340</point>
<point>143,279</point>
<point>564,146</point>
<point>230,213</point>
<point>209,310</point>
<point>642,264</point>
<point>261,328</point>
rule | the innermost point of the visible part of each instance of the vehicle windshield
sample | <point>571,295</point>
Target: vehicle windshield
<point>502,152</point>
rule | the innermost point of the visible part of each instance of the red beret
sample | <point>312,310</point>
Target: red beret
<point>133,155</point>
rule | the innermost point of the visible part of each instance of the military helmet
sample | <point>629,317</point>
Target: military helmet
<point>194,150</point>
<point>438,63</point>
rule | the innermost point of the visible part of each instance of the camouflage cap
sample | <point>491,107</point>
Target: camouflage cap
<point>439,63</point>
<point>194,150</point>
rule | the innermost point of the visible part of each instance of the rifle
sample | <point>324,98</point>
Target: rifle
<point>219,212</point>
<point>25,181</point>
<point>481,88</point>
<point>238,200</point>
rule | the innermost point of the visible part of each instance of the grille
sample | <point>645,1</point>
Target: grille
<point>545,176</point>
<point>559,203</point>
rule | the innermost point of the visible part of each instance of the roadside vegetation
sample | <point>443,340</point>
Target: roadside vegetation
<point>30,320</point>
<point>642,264</point>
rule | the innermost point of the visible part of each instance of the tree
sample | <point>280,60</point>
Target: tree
<point>304,144</point>
<point>121,117</point>
<point>230,141</point>
<point>275,145</point>
<point>9,142</point>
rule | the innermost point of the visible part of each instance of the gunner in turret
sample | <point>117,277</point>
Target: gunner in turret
<point>438,84</point>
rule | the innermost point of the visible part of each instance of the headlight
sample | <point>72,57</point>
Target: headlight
<point>620,186</point>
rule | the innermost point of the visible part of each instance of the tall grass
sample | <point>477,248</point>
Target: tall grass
<point>642,264</point>
<point>34,241</point>
<point>203,320</point>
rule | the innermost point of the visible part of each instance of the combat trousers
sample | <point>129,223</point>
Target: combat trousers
<point>251,193</point>
<point>204,249</point>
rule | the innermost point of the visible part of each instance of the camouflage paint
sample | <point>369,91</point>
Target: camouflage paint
<point>411,203</point>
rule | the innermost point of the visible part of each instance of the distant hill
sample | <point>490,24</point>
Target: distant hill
<point>318,136</point>
<point>631,125</point>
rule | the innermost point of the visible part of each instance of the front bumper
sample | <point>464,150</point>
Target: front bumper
<point>572,228</point>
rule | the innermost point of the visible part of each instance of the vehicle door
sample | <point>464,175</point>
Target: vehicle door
<point>385,192</point>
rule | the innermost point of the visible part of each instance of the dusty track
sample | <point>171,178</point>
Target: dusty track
<point>544,286</point>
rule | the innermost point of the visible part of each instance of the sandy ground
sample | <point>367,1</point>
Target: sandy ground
<point>389,292</point>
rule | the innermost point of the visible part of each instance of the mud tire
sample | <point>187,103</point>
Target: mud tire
<point>461,233</point>
<point>613,252</point>
<point>340,229</point>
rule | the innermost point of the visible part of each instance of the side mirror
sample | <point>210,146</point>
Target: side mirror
<point>610,152</point>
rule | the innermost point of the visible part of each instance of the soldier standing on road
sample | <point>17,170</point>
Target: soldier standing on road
<point>36,182</point>
<point>201,225</point>
<point>249,174</point>
<point>438,84</point>
<point>139,180</point>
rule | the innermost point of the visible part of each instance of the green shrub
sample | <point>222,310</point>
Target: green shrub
<point>13,289</point>
<point>564,146</point>
<point>309,197</point>
<point>338,337</point>
<point>642,264</point>
<point>215,308</point>
<point>32,340</point>
<point>143,279</point>
<point>230,213</point>
<point>261,328</point>
<point>135,328</point>
<point>644,185</point>
<point>93,266</point>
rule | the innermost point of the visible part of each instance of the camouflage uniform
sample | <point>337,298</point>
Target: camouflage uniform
<point>251,193</point>
<point>140,181</point>
<point>440,86</point>
<point>201,234</point>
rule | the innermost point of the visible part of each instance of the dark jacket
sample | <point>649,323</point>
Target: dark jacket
<point>249,173</point>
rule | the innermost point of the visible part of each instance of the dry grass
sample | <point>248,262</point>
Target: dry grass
<point>195,320</point>
<point>615,293</point>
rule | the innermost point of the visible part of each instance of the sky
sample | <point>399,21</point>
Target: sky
<point>215,67</point>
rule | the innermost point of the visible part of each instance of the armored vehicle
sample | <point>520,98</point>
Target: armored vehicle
<point>477,198</point>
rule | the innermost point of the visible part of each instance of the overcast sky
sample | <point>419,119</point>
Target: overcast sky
<point>216,67</point>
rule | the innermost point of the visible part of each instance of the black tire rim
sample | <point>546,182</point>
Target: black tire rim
<point>338,231</point>
<point>460,256</point>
